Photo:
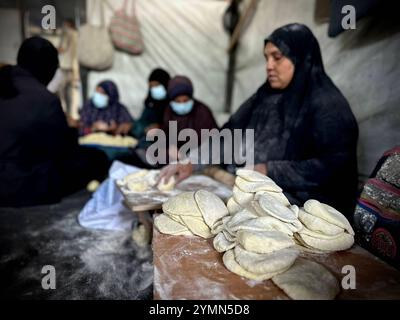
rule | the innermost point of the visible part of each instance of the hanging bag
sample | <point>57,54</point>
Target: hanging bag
<point>95,49</point>
<point>125,30</point>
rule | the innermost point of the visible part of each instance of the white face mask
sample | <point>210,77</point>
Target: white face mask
<point>100,100</point>
<point>158,92</point>
<point>182,108</point>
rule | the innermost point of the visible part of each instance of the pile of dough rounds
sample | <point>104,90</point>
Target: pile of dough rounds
<point>145,180</point>
<point>324,228</point>
<point>191,213</point>
<point>259,238</point>
<point>104,139</point>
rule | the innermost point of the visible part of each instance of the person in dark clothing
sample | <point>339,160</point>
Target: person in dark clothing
<point>183,110</point>
<point>40,159</point>
<point>305,132</point>
<point>154,106</point>
<point>104,113</point>
<point>188,112</point>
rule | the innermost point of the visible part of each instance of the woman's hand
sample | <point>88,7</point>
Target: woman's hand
<point>179,170</point>
<point>123,129</point>
<point>100,126</point>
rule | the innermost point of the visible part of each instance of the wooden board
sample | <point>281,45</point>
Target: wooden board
<point>190,268</point>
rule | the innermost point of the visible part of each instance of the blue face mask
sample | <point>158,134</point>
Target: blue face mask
<point>182,108</point>
<point>100,100</point>
<point>158,93</point>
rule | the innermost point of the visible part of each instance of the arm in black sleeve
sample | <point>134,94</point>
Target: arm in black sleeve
<point>335,135</point>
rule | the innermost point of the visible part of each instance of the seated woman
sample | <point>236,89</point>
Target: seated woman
<point>183,110</point>
<point>154,106</point>
<point>40,159</point>
<point>305,132</point>
<point>104,113</point>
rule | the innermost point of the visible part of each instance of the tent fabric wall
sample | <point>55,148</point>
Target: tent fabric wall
<point>184,37</point>
<point>187,36</point>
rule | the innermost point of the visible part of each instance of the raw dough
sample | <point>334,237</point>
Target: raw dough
<point>197,226</point>
<point>319,235</point>
<point>328,214</point>
<point>265,204</point>
<point>262,224</point>
<point>162,186</point>
<point>233,206</point>
<point>231,264</point>
<point>166,225</point>
<point>308,280</point>
<point>277,195</point>
<point>183,204</point>
<point>221,244</point>
<point>253,176</point>
<point>212,207</point>
<point>274,262</point>
<point>255,186</point>
<point>265,241</point>
<point>241,197</point>
<point>319,225</point>
<point>342,242</point>
<point>104,139</point>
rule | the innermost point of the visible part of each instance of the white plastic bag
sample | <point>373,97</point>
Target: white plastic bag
<point>105,210</point>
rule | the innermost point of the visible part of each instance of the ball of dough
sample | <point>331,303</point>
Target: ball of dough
<point>162,186</point>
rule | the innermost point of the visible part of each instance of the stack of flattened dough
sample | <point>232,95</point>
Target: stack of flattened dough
<point>259,238</point>
<point>324,228</point>
<point>145,180</point>
<point>191,213</point>
<point>247,184</point>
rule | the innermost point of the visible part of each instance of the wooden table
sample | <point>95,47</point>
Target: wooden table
<point>190,268</point>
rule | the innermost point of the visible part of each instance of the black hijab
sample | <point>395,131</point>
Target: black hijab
<point>39,57</point>
<point>154,109</point>
<point>275,114</point>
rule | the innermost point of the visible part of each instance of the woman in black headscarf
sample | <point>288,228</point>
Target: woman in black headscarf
<point>305,132</point>
<point>40,159</point>
<point>154,106</point>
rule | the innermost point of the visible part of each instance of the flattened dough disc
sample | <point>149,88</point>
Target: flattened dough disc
<point>308,280</point>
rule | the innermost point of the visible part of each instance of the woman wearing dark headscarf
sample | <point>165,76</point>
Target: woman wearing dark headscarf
<point>40,159</point>
<point>104,113</point>
<point>183,110</point>
<point>154,105</point>
<point>305,132</point>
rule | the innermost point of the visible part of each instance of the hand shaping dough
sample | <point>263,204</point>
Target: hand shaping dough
<point>212,207</point>
<point>264,242</point>
<point>308,280</point>
<point>319,225</point>
<point>274,262</point>
<point>162,186</point>
<point>328,214</point>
